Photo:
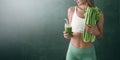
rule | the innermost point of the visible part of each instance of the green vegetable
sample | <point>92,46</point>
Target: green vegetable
<point>92,15</point>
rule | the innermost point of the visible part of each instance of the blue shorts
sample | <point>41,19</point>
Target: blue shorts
<point>75,53</point>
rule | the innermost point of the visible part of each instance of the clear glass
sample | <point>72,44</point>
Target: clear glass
<point>68,29</point>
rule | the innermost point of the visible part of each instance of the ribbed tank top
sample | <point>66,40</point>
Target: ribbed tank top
<point>77,23</point>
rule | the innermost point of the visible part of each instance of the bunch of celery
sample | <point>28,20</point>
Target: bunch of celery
<point>92,15</point>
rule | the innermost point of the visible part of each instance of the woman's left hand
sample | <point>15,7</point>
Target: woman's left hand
<point>92,29</point>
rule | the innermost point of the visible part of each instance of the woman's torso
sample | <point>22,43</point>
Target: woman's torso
<point>78,20</point>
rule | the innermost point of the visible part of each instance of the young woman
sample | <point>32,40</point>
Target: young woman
<point>78,49</point>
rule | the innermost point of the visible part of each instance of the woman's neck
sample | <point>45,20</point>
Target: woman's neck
<point>82,6</point>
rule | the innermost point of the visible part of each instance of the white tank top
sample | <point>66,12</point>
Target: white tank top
<point>77,23</point>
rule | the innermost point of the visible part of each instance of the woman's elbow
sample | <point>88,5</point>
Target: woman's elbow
<point>100,36</point>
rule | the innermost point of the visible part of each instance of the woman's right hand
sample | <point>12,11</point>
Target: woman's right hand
<point>66,35</point>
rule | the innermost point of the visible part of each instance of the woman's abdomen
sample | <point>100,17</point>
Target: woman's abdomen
<point>77,41</point>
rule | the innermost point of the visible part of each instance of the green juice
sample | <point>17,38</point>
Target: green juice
<point>68,29</point>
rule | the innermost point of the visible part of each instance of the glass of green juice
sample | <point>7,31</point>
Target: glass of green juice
<point>68,29</point>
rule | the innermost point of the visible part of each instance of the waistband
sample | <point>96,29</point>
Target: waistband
<point>81,50</point>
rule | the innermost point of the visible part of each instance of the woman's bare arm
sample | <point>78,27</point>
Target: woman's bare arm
<point>70,13</point>
<point>100,26</point>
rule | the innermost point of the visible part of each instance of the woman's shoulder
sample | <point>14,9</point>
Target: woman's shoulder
<point>101,14</point>
<point>71,9</point>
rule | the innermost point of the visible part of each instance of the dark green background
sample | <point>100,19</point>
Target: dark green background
<point>33,29</point>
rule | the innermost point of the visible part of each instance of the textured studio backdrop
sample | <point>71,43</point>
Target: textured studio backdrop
<point>33,29</point>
